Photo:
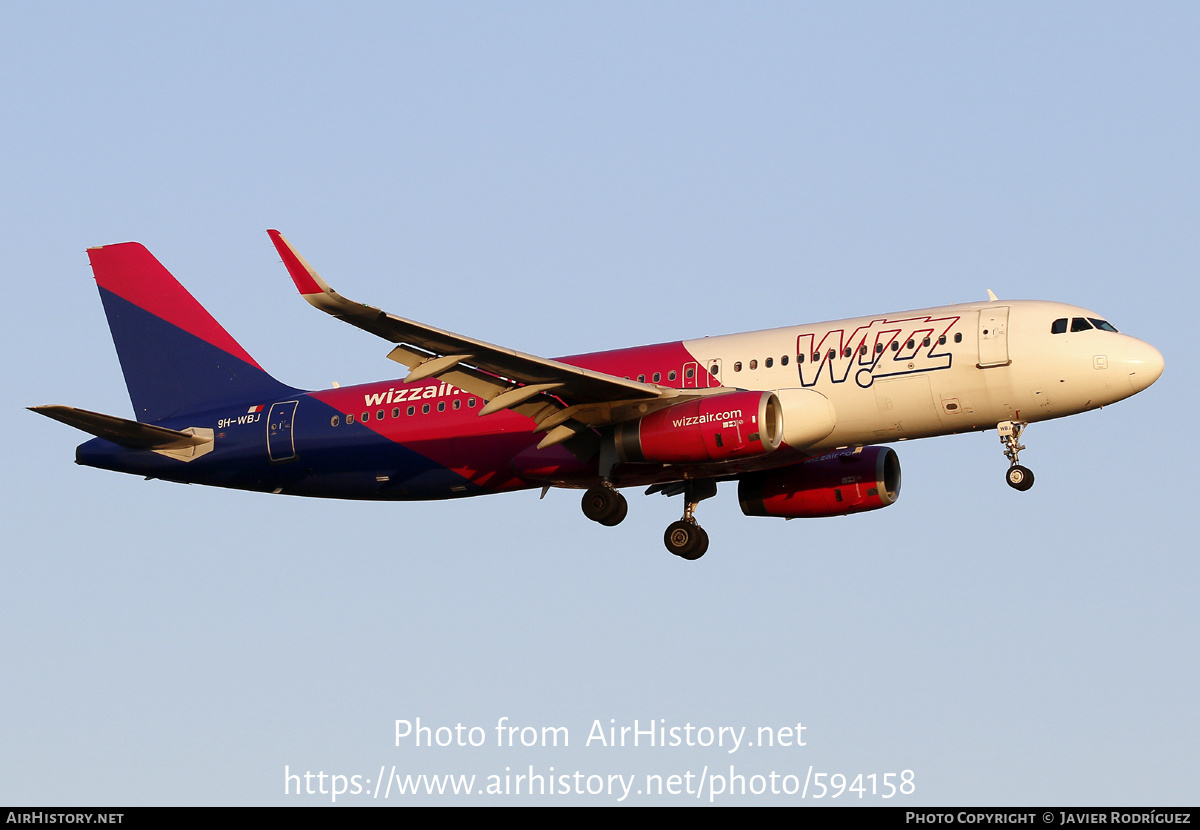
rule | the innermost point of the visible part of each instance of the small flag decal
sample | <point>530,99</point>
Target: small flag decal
<point>254,409</point>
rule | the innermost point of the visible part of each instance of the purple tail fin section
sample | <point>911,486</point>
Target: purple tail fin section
<point>176,358</point>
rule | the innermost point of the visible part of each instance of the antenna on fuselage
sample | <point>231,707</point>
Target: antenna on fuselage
<point>992,297</point>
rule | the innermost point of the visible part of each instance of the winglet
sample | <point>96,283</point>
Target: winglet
<point>306,278</point>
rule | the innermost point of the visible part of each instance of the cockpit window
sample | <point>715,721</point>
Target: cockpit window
<point>1059,326</point>
<point>1103,325</point>
<point>1080,324</point>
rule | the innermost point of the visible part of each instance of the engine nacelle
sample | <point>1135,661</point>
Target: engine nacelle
<point>808,416</point>
<point>830,485</point>
<point>714,428</point>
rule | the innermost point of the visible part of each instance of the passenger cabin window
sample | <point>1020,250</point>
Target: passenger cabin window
<point>958,337</point>
<point>753,365</point>
<point>671,375</point>
<point>657,377</point>
<point>770,362</point>
<point>737,367</point>
<point>691,372</point>
<point>783,361</point>
<point>1080,324</point>
<point>714,369</point>
<point>942,340</point>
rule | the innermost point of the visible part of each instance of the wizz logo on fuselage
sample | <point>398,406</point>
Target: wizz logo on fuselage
<point>696,420</point>
<point>394,395</point>
<point>868,351</point>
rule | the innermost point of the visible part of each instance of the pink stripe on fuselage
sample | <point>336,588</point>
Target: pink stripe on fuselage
<point>663,358</point>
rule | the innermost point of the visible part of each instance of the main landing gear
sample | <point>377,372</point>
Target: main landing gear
<point>1018,477</point>
<point>605,505</point>
<point>685,538</point>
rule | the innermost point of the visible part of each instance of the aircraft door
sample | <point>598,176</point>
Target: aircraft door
<point>714,372</point>
<point>690,372</point>
<point>281,446</point>
<point>993,337</point>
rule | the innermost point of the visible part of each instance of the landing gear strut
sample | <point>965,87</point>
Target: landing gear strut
<point>1018,477</point>
<point>605,505</point>
<point>685,538</point>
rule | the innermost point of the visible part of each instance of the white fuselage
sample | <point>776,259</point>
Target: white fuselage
<point>940,370</point>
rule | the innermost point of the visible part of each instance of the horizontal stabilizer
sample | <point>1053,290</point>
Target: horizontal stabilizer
<point>121,431</point>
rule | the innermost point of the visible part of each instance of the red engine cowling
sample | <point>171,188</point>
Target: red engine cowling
<point>715,428</point>
<point>831,485</point>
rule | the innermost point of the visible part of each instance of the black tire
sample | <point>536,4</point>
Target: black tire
<point>1019,478</point>
<point>701,545</point>
<point>619,512</point>
<point>685,538</point>
<point>605,506</point>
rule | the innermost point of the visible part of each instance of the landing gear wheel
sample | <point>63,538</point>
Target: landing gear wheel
<point>618,516</point>
<point>605,506</point>
<point>1019,478</point>
<point>686,539</point>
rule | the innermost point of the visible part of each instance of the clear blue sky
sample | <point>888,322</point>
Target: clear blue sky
<point>568,177</point>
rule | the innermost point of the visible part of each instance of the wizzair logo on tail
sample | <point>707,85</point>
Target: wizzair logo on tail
<point>394,395</point>
<point>727,415</point>
<point>881,349</point>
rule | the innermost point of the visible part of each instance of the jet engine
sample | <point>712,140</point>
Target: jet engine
<point>716,428</point>
<point>837,484</point>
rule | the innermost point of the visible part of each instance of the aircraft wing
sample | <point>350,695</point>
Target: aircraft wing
<point>505,378</point>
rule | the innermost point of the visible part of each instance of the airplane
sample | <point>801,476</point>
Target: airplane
<point>800,417</point>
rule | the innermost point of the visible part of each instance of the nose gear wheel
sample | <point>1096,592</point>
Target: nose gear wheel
<point>1018,477</point>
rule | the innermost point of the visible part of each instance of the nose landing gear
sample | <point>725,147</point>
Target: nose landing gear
<point>1018,477</point>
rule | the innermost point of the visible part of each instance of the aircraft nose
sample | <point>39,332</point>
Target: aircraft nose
<point>1144,364</point>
